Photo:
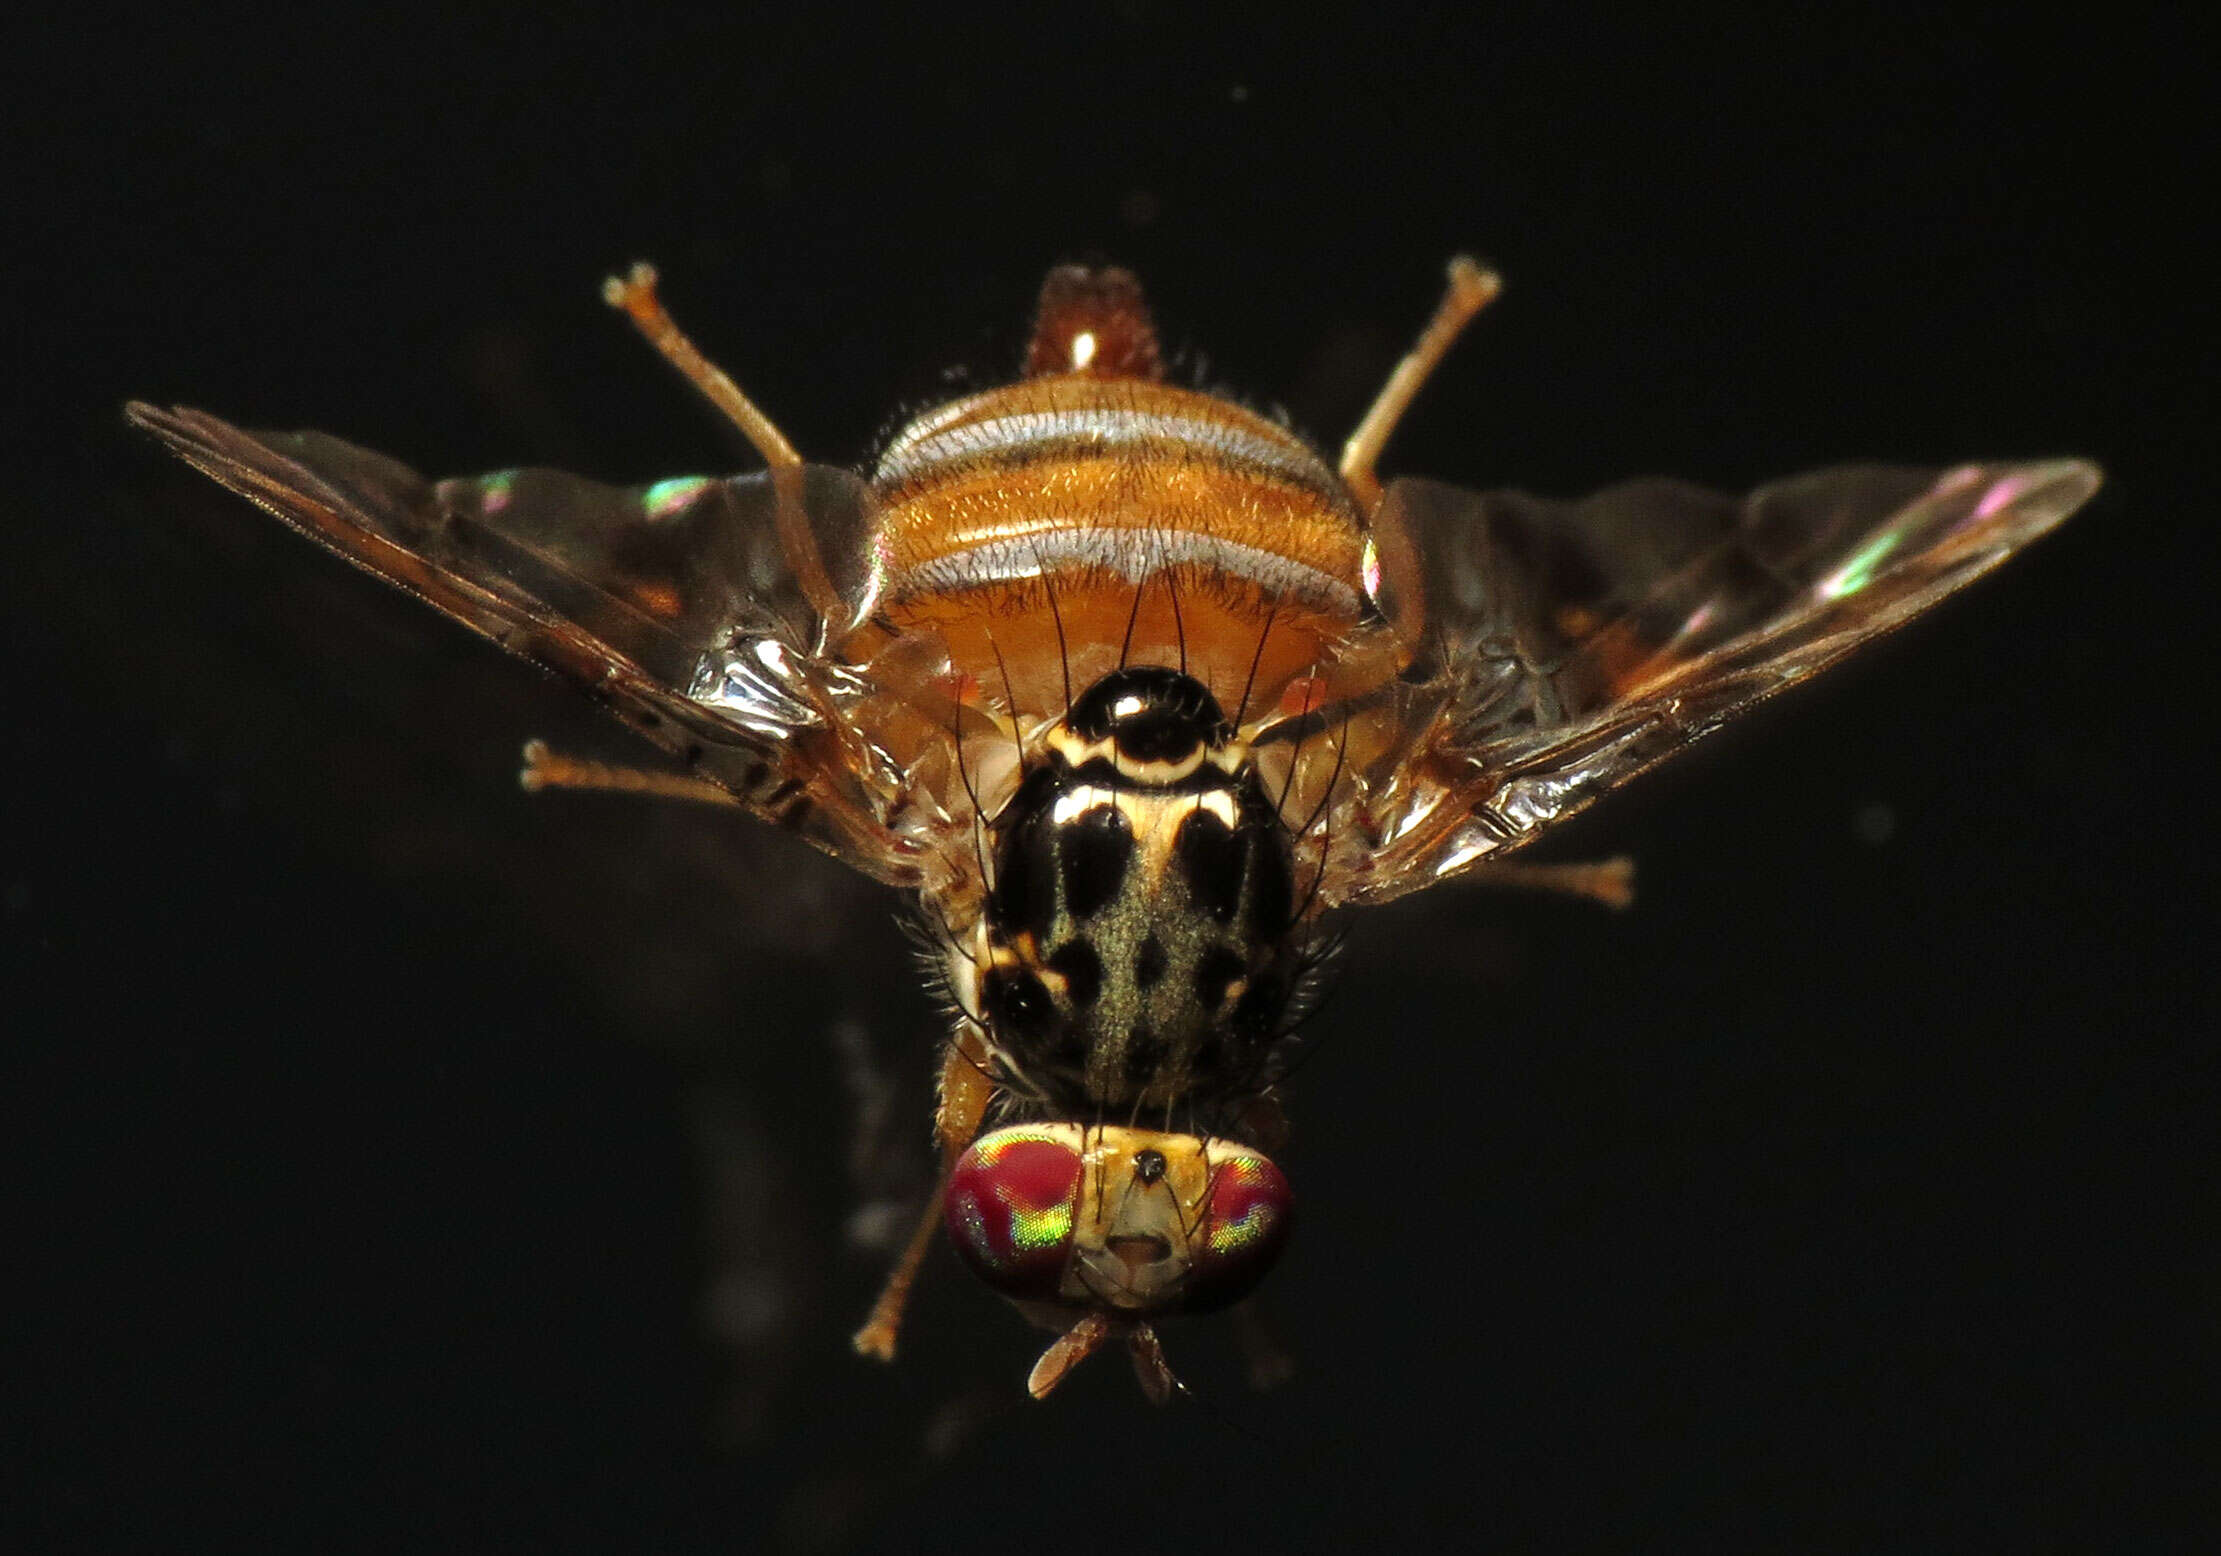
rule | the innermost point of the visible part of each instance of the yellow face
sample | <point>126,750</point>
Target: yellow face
<point>1130,1222</point>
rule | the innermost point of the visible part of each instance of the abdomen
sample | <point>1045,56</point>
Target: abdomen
<point>1054,529</point>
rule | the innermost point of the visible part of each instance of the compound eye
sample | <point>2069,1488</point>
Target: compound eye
<point>1247,1213</point>
<point>1009,1209</point>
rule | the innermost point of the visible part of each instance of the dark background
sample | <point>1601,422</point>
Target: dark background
<point>377,1132</point>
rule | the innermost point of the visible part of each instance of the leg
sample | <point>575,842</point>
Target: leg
<point>1471,289</point>
<point>966,1089</point>
<point>1151,1370</point>
<point>1609,882</point>
<point>635,295</point>
<point>544,769</point>
<point>1068,1350</point>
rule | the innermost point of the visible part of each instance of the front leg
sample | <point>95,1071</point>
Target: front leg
<point>967,1087</point>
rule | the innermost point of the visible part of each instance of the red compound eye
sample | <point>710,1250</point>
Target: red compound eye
<point>1009,1210</point>
<point>1246,1216</point>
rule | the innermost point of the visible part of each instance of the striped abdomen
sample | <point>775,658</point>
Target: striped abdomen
<point>1137,522</point>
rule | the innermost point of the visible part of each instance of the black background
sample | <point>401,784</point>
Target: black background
<point>377,1131</point>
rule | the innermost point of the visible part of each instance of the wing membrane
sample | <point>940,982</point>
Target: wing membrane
<point>673,602</point>
<point>1573,644</point>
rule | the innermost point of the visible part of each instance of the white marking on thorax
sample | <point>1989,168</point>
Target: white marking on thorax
<point>1078,801</point>
<point>1082,798</point>
<point>1220,804</point>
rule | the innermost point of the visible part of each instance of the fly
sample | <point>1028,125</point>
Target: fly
<point>1131,687</point>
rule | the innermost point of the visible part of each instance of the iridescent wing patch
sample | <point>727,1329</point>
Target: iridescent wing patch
<point>1567,646</point>
<point>673,603</point>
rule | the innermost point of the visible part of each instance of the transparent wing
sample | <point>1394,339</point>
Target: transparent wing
<point>673,603</point>
<point>1567,646</point>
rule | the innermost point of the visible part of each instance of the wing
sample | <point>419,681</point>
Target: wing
<point>673,603</point>
<point>1567,646</point>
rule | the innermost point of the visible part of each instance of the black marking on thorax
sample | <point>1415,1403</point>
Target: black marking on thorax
<point>1136,946</point>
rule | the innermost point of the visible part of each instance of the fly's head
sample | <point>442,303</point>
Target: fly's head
<point>1097,1230</point>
